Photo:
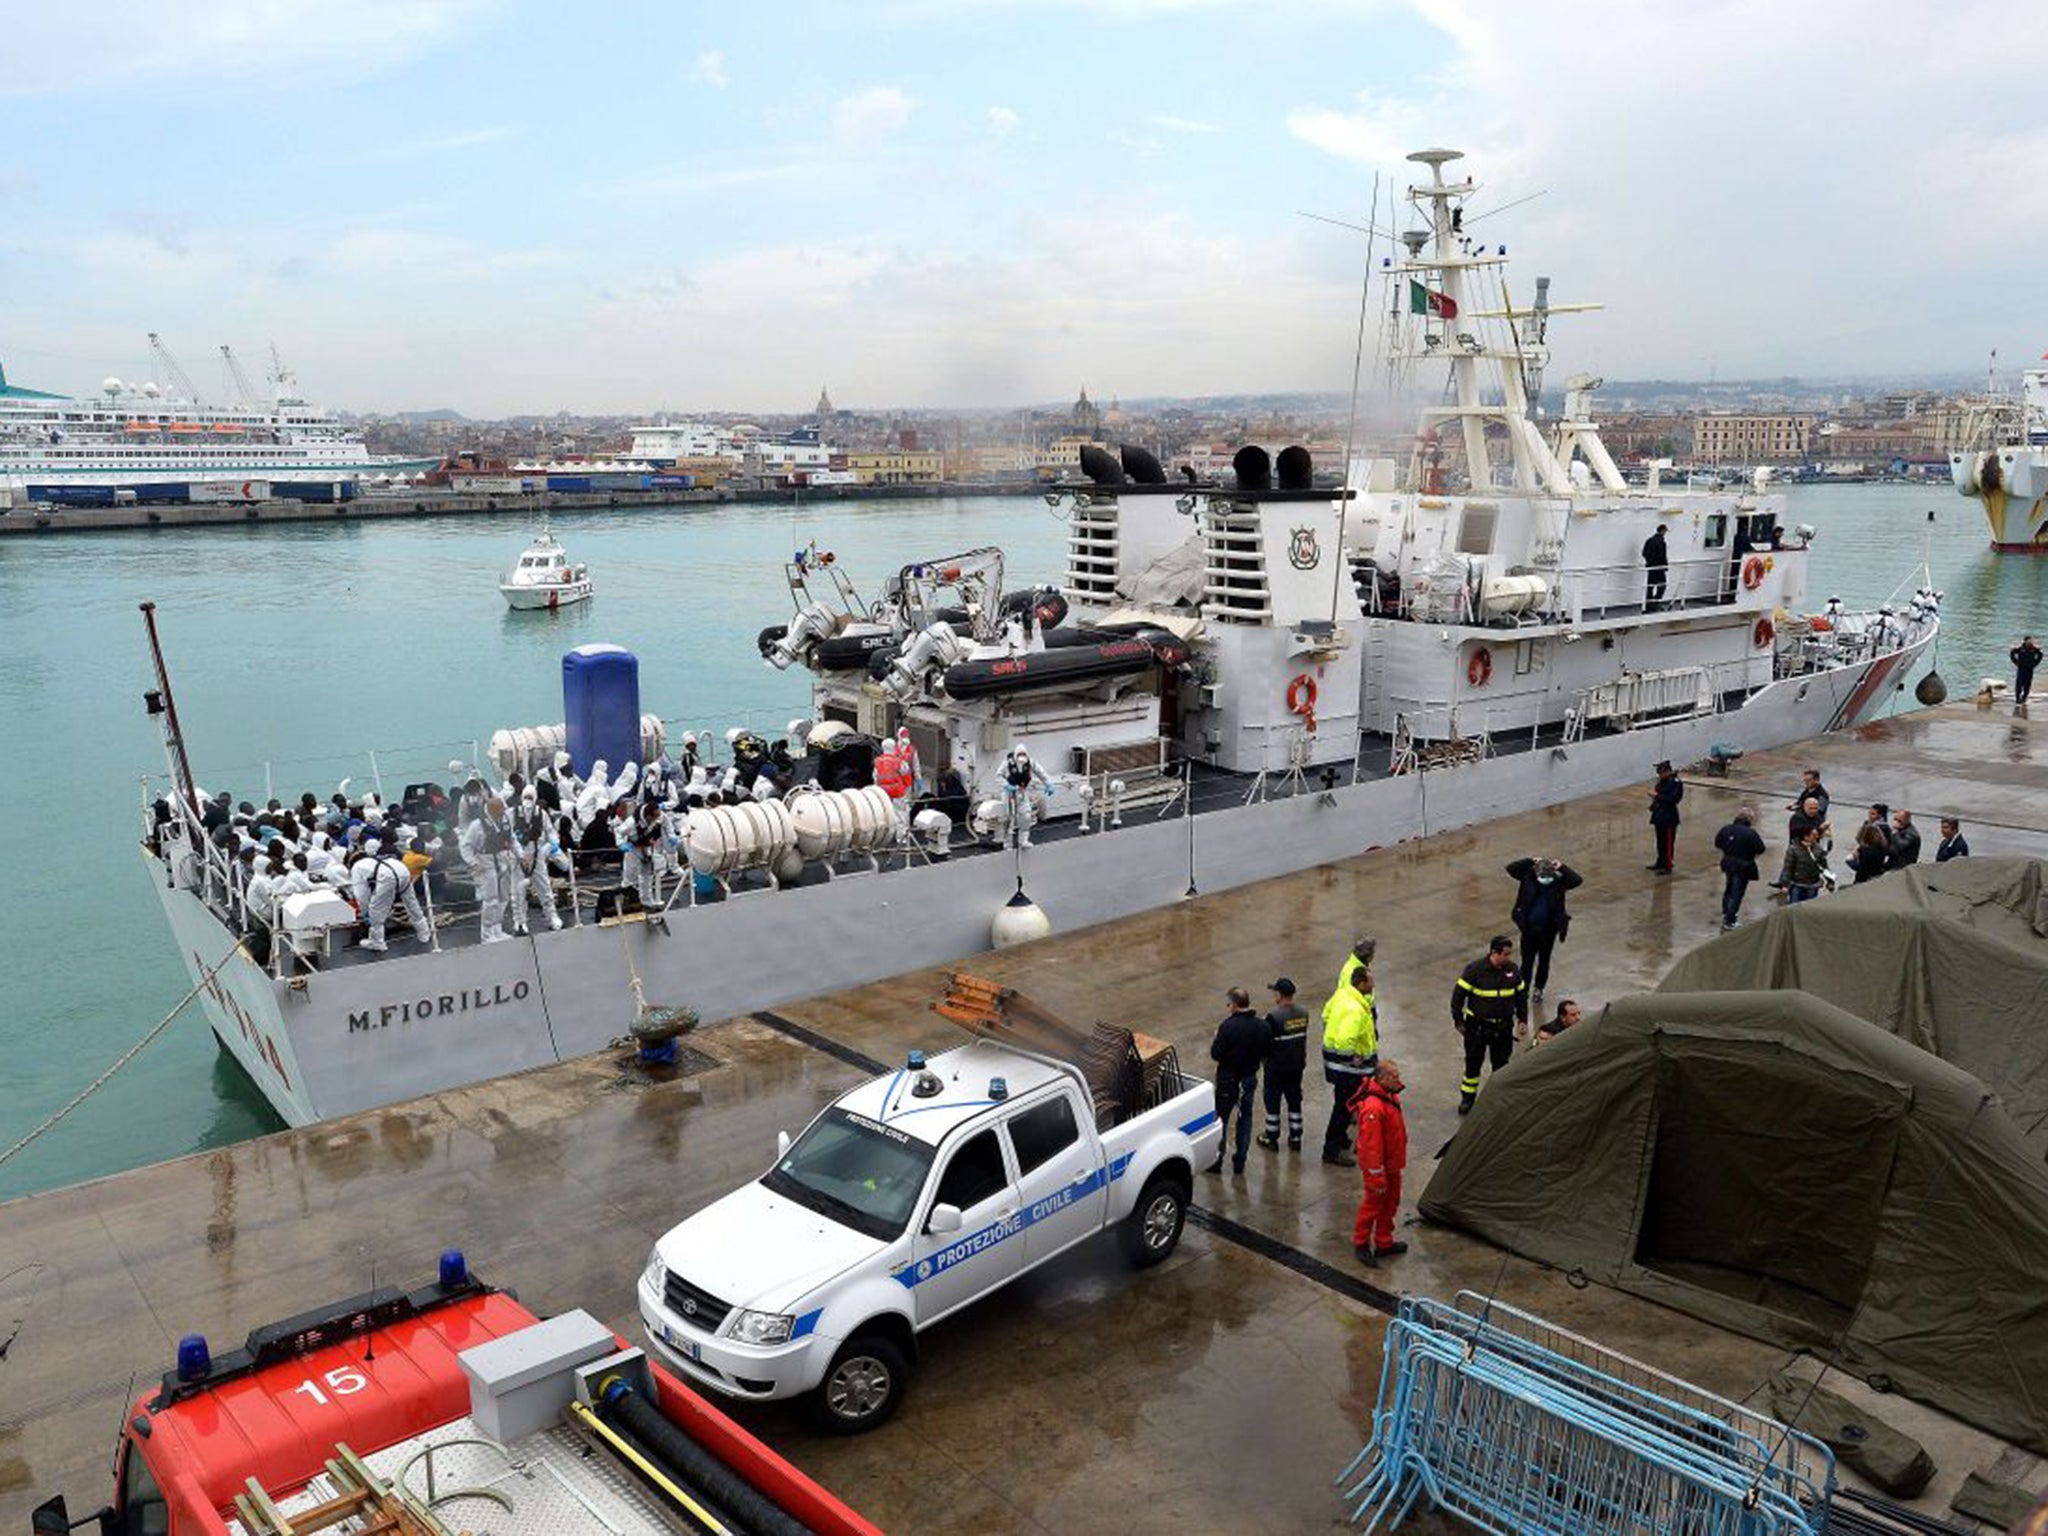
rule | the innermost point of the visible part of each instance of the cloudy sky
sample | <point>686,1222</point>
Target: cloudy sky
<point>502,206</point>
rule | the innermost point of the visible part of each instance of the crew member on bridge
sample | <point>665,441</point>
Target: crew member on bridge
<point>1656,565</point>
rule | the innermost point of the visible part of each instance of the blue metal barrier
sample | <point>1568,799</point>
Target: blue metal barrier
<point>1517,1426</point>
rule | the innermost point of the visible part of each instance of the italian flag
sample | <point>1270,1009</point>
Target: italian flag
<point>1427,301</point>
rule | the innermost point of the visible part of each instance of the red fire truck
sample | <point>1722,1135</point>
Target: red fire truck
<point>435,1411</point>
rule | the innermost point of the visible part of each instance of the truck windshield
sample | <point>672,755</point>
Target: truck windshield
<point>861,1173</point>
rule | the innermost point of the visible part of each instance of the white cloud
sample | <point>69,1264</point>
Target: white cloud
<point>869,116</point>
<point>1377,131</point>
<point>69,48</point>
<point>710,69</point>
<point>1737,182</point>
<point>467,139</point>
<point>1002,122</point>
<point>724,178</point>
<point>1183,124</point>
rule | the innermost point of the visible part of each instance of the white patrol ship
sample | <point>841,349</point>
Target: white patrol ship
<point>908,1198</point>
<point>1232,682</point>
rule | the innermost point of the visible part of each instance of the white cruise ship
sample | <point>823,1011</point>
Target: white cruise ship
<point>141,434</point>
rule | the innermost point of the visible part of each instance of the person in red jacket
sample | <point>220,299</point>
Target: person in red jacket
<point>1382,1155</point>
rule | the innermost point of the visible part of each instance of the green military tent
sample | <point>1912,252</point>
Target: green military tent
<point>1774,1165</point>
<point>1952,957</point>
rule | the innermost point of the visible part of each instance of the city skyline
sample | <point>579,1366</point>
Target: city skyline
<point>461,204</point>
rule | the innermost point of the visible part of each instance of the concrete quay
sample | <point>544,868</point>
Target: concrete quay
<point>1222,1391</point>
<point>24,521</point>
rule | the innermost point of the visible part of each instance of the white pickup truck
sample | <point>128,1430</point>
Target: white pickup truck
<point>906,1199</point>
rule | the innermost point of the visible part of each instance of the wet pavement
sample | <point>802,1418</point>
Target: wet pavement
<point>1221,1391</point>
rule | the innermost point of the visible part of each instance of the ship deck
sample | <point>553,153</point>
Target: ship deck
<point>1221,1391</point>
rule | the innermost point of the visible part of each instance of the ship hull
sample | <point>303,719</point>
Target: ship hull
<point>2014,495</point>
<point>362,1035</point>
<point>528,599</point>
<point>116,476</point>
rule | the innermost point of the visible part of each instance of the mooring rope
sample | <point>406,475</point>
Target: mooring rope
<point>127,1056</point>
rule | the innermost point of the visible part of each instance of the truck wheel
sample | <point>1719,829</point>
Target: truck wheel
<point>863,1386</point>
<point>1152,1231</point>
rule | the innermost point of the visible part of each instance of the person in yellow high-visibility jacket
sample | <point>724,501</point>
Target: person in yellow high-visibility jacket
<point>1351,1049</point>
<point>1362,950</point>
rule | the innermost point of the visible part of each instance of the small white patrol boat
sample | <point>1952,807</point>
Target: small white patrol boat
<point>544,578</point>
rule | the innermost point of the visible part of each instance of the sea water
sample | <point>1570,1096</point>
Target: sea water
<point>296,648</point>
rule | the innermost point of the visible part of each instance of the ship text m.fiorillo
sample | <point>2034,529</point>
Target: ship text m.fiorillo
<point>1231,681</point>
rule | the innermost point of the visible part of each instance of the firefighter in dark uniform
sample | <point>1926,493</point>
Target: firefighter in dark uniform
<point>1490,1008</point>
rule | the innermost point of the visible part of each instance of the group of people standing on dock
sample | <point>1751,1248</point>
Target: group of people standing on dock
<point>1493,997</point>
<point>1490,1008</point>
<point>1887,839</point>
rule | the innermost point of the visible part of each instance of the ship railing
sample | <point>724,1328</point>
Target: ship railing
<point>1433,734</point>
<point>1594,591</point>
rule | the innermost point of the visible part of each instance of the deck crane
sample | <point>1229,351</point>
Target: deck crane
<point>285,381</point>
<point>177,375</point>
<point>245,392</point>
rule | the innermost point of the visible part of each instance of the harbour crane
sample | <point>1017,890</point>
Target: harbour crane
<point>176,374</point>
<point>245,392</point>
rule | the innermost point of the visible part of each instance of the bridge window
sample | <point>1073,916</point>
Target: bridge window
<point>1717,530</point>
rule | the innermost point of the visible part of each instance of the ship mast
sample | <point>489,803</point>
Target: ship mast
<point>1441,259</point>
<point>164,706</point>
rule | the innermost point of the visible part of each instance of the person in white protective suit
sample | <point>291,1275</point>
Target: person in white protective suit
<point>1026,788</point>
<point>533,846</point>
<point>487,847</point>
<point>380,881</point>
<point>640,837</point>
<point>594,797</point>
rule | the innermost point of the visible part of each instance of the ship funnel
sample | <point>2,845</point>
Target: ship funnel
<point>1101,466</point>
<point>1141,466</point>
<point>1296,468</point>
<point>1254,468</point>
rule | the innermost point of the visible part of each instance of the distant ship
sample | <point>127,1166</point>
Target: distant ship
<point>2008,470</point>
<point>141,434</point>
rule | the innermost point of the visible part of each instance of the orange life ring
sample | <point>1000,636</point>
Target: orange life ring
<point>1764,633</point>
<point>1301,700</point>
<point>1753,572</point>
<point>1479,670</point>
<point>1820,624</point>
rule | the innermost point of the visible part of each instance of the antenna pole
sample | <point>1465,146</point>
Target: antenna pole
<point>174,735</point>
<point>1351,423</point>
